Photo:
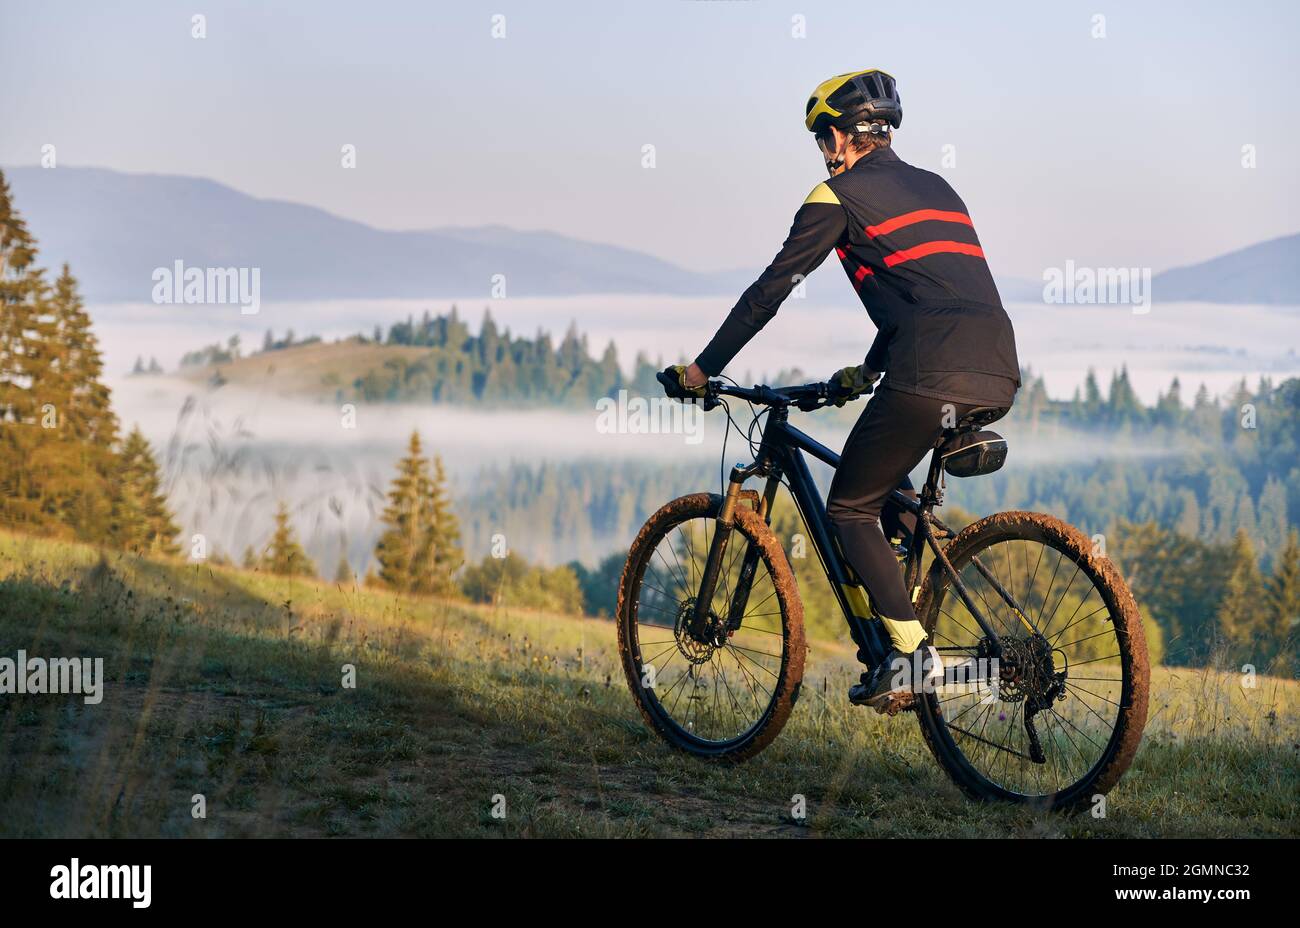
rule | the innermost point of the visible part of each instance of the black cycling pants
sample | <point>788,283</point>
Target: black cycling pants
<point>893,434</point>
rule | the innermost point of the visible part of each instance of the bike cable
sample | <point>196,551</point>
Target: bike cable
<point>747,434</point>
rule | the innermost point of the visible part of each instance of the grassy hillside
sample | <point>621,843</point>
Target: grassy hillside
<point>228,684</point>
<point>312,371</point>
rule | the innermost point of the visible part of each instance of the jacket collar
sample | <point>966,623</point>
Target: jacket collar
<point>875,156</point>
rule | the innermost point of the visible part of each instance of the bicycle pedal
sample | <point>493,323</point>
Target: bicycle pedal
<point>896,703</point>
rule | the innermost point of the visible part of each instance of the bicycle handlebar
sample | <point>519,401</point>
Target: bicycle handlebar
<point>805,397</point>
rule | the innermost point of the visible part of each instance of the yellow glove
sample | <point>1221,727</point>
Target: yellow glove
<point>852,382</point>
<point>679,371</point>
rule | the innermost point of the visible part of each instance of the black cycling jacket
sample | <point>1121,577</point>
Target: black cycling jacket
<point>908,245</point>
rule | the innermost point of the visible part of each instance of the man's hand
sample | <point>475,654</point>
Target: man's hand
<point>852,382</point>
<point>691,379</point>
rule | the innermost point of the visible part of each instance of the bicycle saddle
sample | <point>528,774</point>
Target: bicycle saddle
<point>977,418</point>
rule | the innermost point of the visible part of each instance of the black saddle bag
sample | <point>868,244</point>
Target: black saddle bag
<point>971,454</point>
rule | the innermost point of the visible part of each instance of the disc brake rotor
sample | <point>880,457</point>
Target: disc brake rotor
<point>694,649</point>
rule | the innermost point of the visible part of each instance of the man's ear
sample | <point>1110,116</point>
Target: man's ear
<point>841,140</point>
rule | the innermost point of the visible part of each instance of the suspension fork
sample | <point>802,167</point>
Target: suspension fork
<point>725,524</point>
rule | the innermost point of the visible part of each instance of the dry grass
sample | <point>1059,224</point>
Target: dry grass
<point>228,684</point>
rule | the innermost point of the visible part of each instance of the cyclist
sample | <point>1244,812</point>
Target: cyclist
<point>943,341</point>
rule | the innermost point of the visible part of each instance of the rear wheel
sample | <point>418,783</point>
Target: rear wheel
<point>723,692</point>
<point>1058,719</point>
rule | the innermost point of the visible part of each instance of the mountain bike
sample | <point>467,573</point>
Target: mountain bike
<point>1044,692</point>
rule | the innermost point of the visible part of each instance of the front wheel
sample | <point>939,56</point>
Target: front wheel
<point>1057,718</point>
<point>727,690</point>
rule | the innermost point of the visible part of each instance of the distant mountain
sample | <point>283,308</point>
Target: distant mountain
<point>1268,272</point>
<point>116,228</point>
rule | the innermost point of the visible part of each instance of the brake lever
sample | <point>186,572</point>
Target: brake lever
<point>826,395</point>
<point>816,402</point>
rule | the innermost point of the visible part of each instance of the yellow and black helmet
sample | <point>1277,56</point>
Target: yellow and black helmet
<point>859,96</point>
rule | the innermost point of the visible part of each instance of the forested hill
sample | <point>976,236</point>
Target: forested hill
<point>435,359</point>
<point>439,359</point>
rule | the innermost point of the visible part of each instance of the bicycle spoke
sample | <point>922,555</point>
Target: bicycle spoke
<point>714,696</point>
<point>993,734</point>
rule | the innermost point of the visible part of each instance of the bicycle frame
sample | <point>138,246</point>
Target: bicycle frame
<point>781,454</point>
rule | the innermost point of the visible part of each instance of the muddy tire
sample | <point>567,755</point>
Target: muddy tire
<point>754,685</point>
<point>1106,681</point>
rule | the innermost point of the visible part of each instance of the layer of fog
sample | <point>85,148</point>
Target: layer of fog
<point>1200,343</point>
<point>230,456</point>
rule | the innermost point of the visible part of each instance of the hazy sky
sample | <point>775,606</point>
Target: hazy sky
<point>1123,150</point>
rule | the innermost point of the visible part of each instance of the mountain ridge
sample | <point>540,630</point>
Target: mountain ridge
<point>115,228</point>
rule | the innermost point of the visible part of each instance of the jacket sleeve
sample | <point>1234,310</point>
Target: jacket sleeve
<point>817,227</point>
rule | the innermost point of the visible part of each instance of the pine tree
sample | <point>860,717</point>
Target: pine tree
<point>57,459</point>
<point>1282,598</point>
<point>80,451</point>
<point>1169,406</point>
<point>22,292</point>
<point>284,556</point>
<point>1091,397</point>
<point>1271,517</point>
<point>1241,611</point>
<point>1123,403</point>
<point>418,552</point>
<point>399,548</point>
<point>141,520</point>
<point>610,375</point>
<point>343,572</point>
<point>445,532</point>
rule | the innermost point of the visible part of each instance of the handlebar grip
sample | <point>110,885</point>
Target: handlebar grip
<point>834,393</point>
<point>671,387</point>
